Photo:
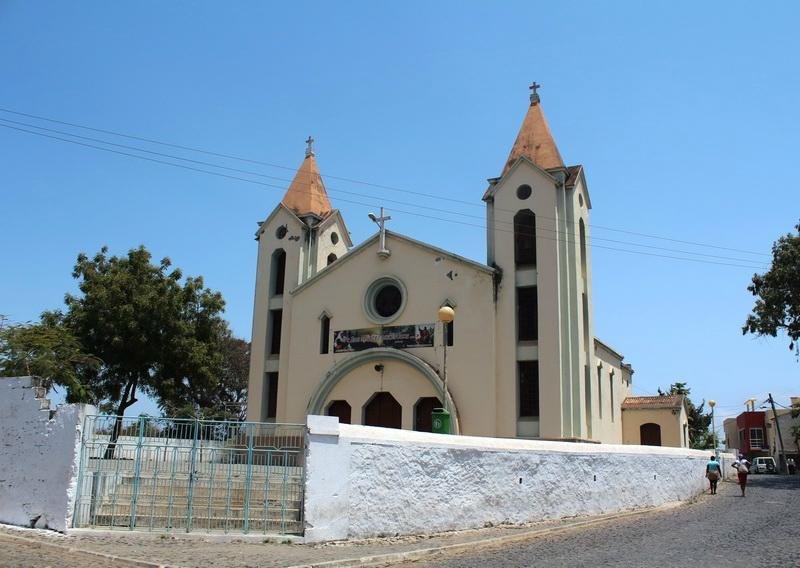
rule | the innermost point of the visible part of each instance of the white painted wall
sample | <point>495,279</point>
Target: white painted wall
<point>38,456</point>
<point>364,482</point>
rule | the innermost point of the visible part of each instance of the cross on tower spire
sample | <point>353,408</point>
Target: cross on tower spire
<point>309,147</point>
<point>534,95</point>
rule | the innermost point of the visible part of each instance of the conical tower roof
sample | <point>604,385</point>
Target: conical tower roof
<point>534,140</point>
<point>307,194</point>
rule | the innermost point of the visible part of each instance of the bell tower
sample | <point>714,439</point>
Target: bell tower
<point>301,236</point>
<point>537,221</point>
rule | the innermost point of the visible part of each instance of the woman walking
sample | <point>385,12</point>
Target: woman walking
<point>713,473</point>
<point>743,468</point>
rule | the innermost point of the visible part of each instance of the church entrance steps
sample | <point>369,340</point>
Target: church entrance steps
<point>193,475</point>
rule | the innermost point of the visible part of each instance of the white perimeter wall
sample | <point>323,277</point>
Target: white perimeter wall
<point>38,457</point>
<point>363,481</point>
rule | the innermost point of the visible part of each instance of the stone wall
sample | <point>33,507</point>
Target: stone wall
<point>39,455</point>
<point>363,481</point>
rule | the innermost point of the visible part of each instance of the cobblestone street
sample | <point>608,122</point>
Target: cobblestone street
<point>722,530</point>
<point>713,531</point>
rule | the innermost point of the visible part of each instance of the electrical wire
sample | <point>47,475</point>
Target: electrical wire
<point>334,190</point>
<point>350,180</point>
<point>219,174</point>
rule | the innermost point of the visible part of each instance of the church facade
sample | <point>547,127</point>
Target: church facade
<point>352,331</point>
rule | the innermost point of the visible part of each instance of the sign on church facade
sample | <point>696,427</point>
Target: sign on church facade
<point>396,336</point>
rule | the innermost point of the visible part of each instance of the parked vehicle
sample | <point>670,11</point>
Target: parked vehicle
<point>764,465</point>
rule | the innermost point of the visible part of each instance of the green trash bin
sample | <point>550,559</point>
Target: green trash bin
<point>440,421</point>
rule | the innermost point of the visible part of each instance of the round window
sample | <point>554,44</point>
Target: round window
<point>385,299</point>
<point>524,191</point>
<point>580,199</point>
<point>281,231</point>
<point>334,238</point>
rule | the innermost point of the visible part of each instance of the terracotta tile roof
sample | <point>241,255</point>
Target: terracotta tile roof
<point>644,402</point>
<point>307,194</point>
<point>535,141</point>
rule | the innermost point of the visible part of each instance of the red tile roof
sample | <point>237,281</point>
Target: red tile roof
<point>645,402</point>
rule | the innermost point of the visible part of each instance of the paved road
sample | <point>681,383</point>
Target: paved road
<point>18,553</point>
<point>722,530</point>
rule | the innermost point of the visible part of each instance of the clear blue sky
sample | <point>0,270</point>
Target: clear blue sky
<point>684,114</point>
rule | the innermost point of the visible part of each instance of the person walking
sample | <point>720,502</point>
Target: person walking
<point>713,473</point>
<point>743,468</point>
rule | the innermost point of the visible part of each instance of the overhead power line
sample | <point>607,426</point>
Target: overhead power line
<point>569,239</point>
<point>352,180</point>
<point>335,190</point>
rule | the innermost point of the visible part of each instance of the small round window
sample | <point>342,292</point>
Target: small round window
<point>334,238</point>
<point>524,192</point>
<point>385,299</point>
<point>281,231</point>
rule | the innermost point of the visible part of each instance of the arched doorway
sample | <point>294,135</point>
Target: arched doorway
<point>384,411</point>
<point>340,409</point>
<point>422,413</point>
<point>650,434</point>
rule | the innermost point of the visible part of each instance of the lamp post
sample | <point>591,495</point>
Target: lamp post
<point>712,403</point>
<point>441,417</point>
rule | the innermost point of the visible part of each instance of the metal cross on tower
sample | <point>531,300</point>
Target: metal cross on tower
<point>309,147</point>
<point>534,95</point>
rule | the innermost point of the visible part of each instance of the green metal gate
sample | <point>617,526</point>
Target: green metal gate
<point>167,474</point>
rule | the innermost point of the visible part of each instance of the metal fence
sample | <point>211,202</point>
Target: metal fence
<point>182,474</point>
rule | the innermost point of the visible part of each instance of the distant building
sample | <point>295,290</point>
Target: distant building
<point>655,421</point>
<point>353,331</point>
<point>747,433</point>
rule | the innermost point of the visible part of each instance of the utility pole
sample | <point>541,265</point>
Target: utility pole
<point>780,438</point>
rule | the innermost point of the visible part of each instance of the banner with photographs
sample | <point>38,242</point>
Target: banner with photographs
<point>397,336</point>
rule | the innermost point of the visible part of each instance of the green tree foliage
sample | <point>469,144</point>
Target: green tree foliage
<point>777,293</point>
<point>47,350</point>
<point>154,331</point>
<point>224,399</point>
<point>700,438</point>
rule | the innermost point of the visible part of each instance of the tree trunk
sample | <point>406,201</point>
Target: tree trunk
<point>128,399</point>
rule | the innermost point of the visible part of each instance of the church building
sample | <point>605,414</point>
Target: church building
<point>352,331</point>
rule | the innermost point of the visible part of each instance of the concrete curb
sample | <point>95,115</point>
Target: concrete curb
<point>110,558</point>
<point>427,553</point>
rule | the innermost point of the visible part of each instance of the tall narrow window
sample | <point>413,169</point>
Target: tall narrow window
<point>271,396</point>
<point>324,334</point>
<point>278,272</point>
<point>582,231</point>
<point>275,320</point>
<point>525,238</point>
<point>528,378</point>
<point>600,392</point>
<point>611,393</point>
<point>527,314</point>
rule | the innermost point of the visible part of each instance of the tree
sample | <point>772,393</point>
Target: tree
<point>151,331</point>
<point>224,399</point>
<point>47,350</point>
<point>777,293</point>
<point>699,436</point>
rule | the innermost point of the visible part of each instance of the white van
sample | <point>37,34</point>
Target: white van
<point>764,465</point>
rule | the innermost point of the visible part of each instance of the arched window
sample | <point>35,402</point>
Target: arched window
<point>525,238</point>
<point>650,434</point>
<point>324,333</point>
<point>383,410</point>
<point>582,231</point>
<point>341,409</point>
<point>423,421</point>
<point>331,258</point>
<point>277,272</point>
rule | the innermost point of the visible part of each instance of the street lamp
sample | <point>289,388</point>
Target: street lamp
<point>441,417</point>
<point>712,404</point>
